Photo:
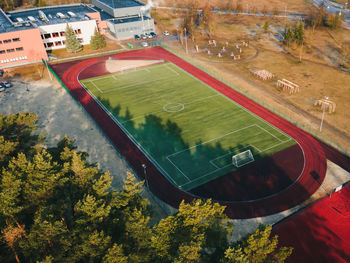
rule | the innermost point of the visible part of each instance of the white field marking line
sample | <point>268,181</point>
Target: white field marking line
<point>230,153</point>
<point>142,82</point>
<point>95,86</point>
<point>136,84</point>
<point>155,112</point>
<point>272,134</point>
<point>255,116</point>
<point>232,101</point>
<point>275,145</point>
<point>198,178</point>
<point>245,163</point>
<point>207,174</point>
<point>177,168</point>
<point>139,117</point>
<point>236,103</point>
<point>114,77</point>
<point>149,156</point>
<point>218,169</point>
<point>219,137</point>
<point>173,70</point>
<point>202,144</point>
<point>200,99</point>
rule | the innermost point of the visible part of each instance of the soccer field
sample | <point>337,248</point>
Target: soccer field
<point>187,129</point>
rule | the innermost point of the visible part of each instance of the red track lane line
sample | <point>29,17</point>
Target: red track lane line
<point>298,192</point>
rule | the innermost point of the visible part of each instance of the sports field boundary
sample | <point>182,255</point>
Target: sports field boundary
<point>157,182</point>
<point>190,184</point>
<point>314,132</point>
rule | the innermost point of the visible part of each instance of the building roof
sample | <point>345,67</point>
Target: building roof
<point>51,15</point>
<point>129,19</point>
<point>121,3</point>
<point>5,24</point>
<point>104,15</point>
<point>34,17</point>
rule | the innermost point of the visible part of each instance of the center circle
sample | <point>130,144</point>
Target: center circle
<point>173,107</point>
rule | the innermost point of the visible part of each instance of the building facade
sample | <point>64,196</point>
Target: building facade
<point>130,17</point>
<point>27,35</point>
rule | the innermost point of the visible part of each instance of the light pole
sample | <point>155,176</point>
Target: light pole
<point>145,173</point>
<point>322,118</point>
<point>186,40</point>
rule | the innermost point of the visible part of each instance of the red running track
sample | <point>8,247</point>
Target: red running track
<point>319,233</point>
<point>300,190</point>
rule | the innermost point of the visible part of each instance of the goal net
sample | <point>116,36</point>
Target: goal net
<point>242,158</point>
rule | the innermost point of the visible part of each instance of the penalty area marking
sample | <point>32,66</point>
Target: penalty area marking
<point>114,76</point>
<point>211,161</point>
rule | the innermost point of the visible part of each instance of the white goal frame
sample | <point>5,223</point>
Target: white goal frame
<point>242,158</point>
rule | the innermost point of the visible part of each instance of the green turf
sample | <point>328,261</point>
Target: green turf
<point>187,129</point>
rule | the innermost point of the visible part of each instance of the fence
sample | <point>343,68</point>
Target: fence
<point>167,209</point>
<point>304,127</point>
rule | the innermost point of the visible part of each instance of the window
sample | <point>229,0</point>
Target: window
<point>50,44</point>
<point>80,40</point>
<point>63,42</point>
<point>42,36</point>
<point>55,34</point>
<point>78,31</point>
<point>47,36</point>
<point>45,45</point>
<point>16,39</point>
<point>10,50</point>
<point>62,33</point>
<point>2,51</point>
<point>19,48</point>
<point>7,40</point>
<point>0,42</point>
<point>58,43</point>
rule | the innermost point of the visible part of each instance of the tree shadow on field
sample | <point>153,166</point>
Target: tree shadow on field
<point>164,140</point>
<point>265,176</point>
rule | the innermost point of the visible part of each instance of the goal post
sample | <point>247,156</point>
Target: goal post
<point>242,158</point>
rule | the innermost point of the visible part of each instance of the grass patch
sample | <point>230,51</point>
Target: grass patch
<point>187,129</point>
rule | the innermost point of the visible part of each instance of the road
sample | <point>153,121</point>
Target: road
<point>331,7</point>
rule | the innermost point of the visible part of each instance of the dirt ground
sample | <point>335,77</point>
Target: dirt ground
<point>268,5</point>
<point>55,106</point>
<point>321,72</point>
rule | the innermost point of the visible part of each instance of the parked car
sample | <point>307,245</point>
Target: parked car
<point>144,44</point>
<point>1,72</point>
<point>2,87</point>
<point>153,34</point>
<point>137,37</point>
<point>143,36</point>
<point>166,33</point>
<point>6,84</point>
<point>148,35</point>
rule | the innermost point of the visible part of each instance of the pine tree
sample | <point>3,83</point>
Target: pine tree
<point>258,247</point>
<point>266,26</point>
<point>299,33</point>
<point>57,207</point>
<point>288,35</point>
<point>115,255</point>
<point>72,43</point>
<point>97,40</point>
